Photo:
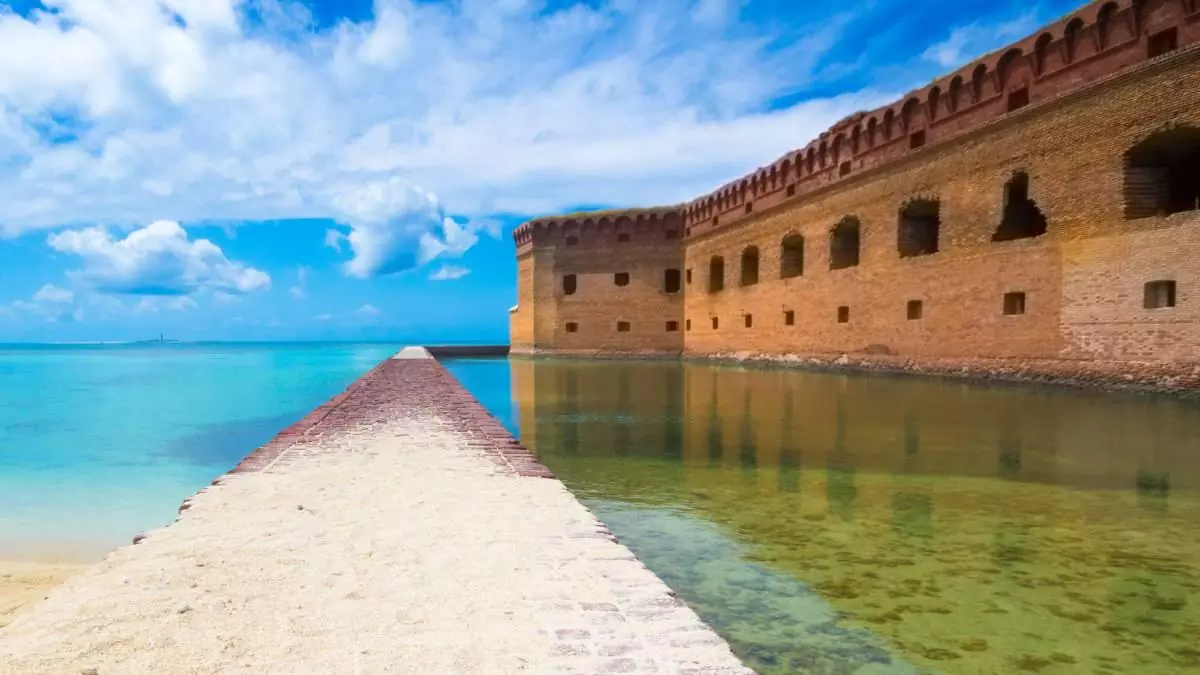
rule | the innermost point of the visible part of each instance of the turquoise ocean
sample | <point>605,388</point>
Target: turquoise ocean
<point>101,442</point>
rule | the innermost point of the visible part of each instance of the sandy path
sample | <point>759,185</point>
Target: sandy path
<point>393,548</point>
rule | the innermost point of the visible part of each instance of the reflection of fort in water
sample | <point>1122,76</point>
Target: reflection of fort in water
<point>779,419</point>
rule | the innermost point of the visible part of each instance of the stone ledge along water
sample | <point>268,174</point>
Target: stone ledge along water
<point>399,525</point>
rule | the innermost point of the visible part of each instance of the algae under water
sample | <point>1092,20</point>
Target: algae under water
<point>830,523</point>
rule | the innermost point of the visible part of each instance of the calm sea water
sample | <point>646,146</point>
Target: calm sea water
<point>852,524</point>
<point>98,443</point>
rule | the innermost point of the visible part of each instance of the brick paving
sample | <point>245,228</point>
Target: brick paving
<point>397,528</point>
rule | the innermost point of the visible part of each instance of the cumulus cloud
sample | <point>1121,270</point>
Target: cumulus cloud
<point>109,112</point>
<point>368,310</point>
<point>449,273</point>
<point>51,303</point>
<point>158,259</point>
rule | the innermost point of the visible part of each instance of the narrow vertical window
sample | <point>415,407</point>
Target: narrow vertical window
<point>915,310</point>
<point>716,323</point>
<point>843,314</point>
<point>789,318</point>
<point>749,321</point>
<point>569,284</point>
<point>671,281</point>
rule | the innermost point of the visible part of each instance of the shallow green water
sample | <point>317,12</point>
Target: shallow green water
<point>852,524</point>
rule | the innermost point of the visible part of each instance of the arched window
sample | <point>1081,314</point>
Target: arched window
<point>1104,22</point>
<point>935,97</point>
<point>871,130</point>
<point>791,256</point>
<point>889,123</point>
<point>716,274</point>
<point>1162,174</point>
<point>955,92</point>
<point>920,223</point>
<point>750,266</point>
<point>1022,218</point>
<point>1005,66</point>
<point>844,244</point>
<point>855,138</point>
<point>908,114</point>
<point>1040,49</point>
<point>1071,39</point>
<point>977,81</point>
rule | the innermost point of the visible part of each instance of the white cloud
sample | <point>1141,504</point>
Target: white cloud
<point>158,259</point>
<point>368,310</point>
<point>496,107</point>
<point>51,303</point>
<point>974,39</point>
<point>449,273</point>
<point>300,290</point>
<point>323,317</point>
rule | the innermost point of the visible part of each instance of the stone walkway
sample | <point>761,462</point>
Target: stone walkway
<point>396,529</point>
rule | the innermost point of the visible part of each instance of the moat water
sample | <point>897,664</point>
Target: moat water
<point>863,524</point>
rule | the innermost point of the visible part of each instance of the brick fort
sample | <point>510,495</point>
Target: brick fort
<point>1034,214</point>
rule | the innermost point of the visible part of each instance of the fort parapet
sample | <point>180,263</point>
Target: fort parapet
<point>1039,204</point>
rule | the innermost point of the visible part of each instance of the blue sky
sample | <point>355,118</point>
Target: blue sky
<point>275,170</point>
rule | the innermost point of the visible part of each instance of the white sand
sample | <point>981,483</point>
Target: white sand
<point>392,549</point>
<point>24,583</point>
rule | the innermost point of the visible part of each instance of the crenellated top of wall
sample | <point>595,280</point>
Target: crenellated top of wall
<point>592,228</point>
<point>1096,41</point>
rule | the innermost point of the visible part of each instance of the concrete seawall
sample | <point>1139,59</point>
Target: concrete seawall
<point>397,528</point>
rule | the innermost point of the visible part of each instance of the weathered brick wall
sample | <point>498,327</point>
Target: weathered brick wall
<point>1082,280</point>
<point>520,318</point>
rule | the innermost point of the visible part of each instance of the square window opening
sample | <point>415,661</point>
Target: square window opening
<point>1161,43</point>
<point>915,309</point>
<point>791,190</point>
<point>622,326</point>
<point>916,140</point>
<point>672,326</point>
<point>1018,99</point>
<point>1014,304</point>
<point>843,314</point>
<point>1159,294</point>
<point>621,278</point>
<point>572,327</point>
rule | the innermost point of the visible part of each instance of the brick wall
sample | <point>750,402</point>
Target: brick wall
<point>1082,280</point>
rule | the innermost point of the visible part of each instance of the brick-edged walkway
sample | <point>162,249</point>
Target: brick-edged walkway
<point>398,528</point>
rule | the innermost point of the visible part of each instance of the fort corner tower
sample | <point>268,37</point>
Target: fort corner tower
<point>1040,204</point>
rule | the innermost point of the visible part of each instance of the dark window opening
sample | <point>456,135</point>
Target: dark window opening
<point>791,256</point>
<point>689,275</point>
<point>621,278</point>
<point>671,281</point>
<point>750,266</point>
<point>1022,218</point>
<point>791,190</point>
<point>844,244</point>
<point>571,241</point>
<point>715,323</point>
<point>572,327</point>
<point>1161,43</point>
<point>1159,294</point>
<point>1018,99</point>
<point>916,140</point>
<point>622,326</point>
<point>624,236</point>
<point>843,314</point>
<point>1162,174</point>
<point>569,284</point>
<point>844,169</point>
<point>920,222</point>
<point>716,274</point>
<point>687,324</point>
<point>672,326</point>
<point>789,318</point>
<point>749,321</point>
<point>1014,303</point>
<point>672,234</point>
<point>915,309</point>
<point>749,208</point>
<point>714,221</point>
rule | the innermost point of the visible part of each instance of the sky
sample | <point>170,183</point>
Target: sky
<point>353,169</point>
